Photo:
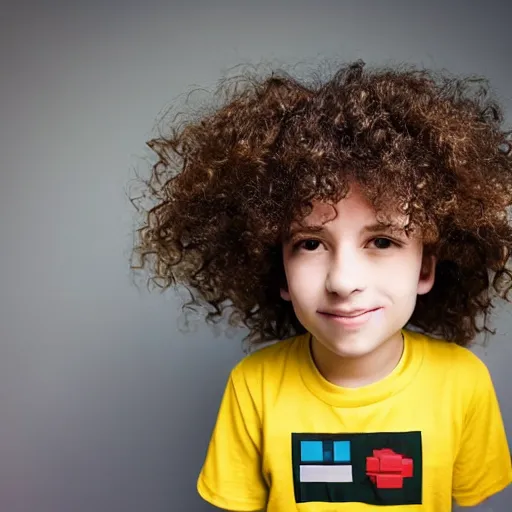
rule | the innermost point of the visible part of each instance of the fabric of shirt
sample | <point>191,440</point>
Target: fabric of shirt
<point>287,439</point>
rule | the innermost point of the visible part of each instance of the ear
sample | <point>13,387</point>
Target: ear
<point>427,274</point>
<point>283,290</point>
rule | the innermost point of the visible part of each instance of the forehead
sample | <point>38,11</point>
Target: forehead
<point>354,206</point>
<point>354,210</point>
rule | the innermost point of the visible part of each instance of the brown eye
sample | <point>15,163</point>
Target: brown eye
<point>382,243</point>
<point>308,245</point>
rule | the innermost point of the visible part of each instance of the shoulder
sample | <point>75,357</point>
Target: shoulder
<point>261,373</point>
<point>443,353</point>
<point>270,359</point>
<point>455,366</point>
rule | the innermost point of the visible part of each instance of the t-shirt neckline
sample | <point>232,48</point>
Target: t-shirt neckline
<point>397,380</point>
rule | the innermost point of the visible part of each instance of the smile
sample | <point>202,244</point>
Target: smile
<point>351,321</point>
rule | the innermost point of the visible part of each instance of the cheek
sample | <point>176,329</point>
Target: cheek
<point>400,278</point>
<point>379,318</point>
<point>305,284</point>
<point>299,272</point>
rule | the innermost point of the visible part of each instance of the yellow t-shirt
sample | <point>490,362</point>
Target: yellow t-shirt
<point>287,439</point>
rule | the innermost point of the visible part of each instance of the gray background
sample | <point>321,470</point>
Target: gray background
<point>105,405</point>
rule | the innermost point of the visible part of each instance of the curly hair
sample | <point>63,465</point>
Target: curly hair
<point>227,185</point>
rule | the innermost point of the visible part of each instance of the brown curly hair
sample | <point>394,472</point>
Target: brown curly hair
<point>227,185</point>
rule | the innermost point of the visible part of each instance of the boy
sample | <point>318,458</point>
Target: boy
<point>359,222</point>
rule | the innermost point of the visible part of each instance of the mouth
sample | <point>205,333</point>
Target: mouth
<point>349,314</point>
<point>353,319</point>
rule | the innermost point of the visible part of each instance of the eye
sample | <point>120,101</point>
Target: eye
<point>382,243</point>
<point>308,245</point>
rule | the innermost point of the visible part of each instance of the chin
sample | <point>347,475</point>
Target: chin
<point>353,353</point>
<point>349,349</point>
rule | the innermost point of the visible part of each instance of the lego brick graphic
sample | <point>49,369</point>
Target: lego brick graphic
<point>388,469</point>
<point>341,451</point>
<point>326,452</point>
<point>326,473</point>
<point>381,468</point>
<point>311,451</point>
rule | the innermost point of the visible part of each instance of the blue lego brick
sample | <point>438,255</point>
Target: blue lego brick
<point>341,451</point>
<point>311,451</point>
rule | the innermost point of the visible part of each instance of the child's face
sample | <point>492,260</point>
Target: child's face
<point>348,269</point>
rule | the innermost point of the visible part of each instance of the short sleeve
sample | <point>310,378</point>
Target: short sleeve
<point>483,463</point>
<point>231,477</point>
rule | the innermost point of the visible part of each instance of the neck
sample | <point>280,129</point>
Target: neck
<point>354,372</point>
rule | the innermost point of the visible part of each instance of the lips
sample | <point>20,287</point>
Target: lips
<point>349,320</point>
<point>348,314</point>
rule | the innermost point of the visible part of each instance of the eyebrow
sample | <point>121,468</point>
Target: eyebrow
<point>319,228</point>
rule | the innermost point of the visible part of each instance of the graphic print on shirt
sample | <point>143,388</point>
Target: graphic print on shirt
<point>384,468</point>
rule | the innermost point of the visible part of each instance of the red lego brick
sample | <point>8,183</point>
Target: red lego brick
<point>372,465</point>
<point>391,463</point>
<point>390,482</point>
<point>387,469</point>
<point>408,469</point>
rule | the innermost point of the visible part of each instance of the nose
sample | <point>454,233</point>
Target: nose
<point>346,273</point>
